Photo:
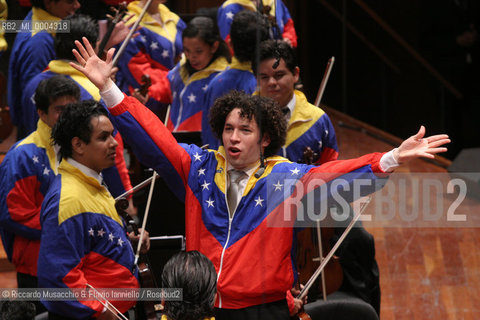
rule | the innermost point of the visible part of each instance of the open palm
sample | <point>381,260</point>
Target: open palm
<point>94,68</point>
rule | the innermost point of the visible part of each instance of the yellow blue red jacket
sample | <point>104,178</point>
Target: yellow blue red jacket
<point>309,126</point>
<point>152,52</point>
<point>253,260</point>
<point>238,76</point>
<point>83,241</point>
<point>27,171</point>
<point>31,53</point>
<point>117,176</point>
<point>189,94</point>
<point>230,8</point>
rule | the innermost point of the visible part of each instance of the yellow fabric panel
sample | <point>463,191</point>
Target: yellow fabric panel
<point>95,197</point>
<point>63,67</point>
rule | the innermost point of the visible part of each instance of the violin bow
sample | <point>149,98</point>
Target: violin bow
<point>323,84</point>
<point>107,304</point>
<point>304,291</point>
<point>130,34</point>
<point>145,217</point>
<point>137,187</point>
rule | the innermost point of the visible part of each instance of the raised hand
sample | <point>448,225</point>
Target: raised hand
<point>94,68</point>
<point>417,146</point>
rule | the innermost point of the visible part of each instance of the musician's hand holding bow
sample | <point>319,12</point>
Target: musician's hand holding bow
<point>417,146</point>
<point>145,241</point>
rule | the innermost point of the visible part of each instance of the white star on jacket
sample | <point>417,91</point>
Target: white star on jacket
<point>229,15</point>
<point>201,172</point>
<point>154,45</point>
<point>46,171</point>
<point>278,186</point>
<point>35,159</point>
<point>143,38</point>
<point>295,171</point>
<point>192,98</point>
<point>210,202</point>
<point>111,237</point>
<point>165,54</point>
<point>100,233</point>
<point>197,157</point>
<point>120,242</point>
<point>205,185</point>
<point>259,202</point>
<point>205,87</point>
<point>91,232</point>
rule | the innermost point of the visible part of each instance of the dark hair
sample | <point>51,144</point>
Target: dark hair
<point>40,3</point>
<point>75,121</point>
<point>17,310</point>
<point>206,29</point>
<point>267,113</point>
<point>195,274</point>
<point>51,89</point>
<point>80,26</point>
<point>276,49</point>
<point>248,30</point>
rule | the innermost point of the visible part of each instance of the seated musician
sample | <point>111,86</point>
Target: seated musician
<point>308,125</point>
<point>80,26</point>
<point>196,276</point>
<point>84,240</point>
<point>281,25</point>
<point>26,173</point>
<point>248,30</point>
<point>225,191</point>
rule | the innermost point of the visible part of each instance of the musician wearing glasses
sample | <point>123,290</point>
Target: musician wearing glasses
<point>225,190</point>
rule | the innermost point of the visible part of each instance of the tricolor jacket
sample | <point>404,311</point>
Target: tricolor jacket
<point>250,248</point>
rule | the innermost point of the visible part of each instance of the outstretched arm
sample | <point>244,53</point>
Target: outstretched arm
<point>417,146</point>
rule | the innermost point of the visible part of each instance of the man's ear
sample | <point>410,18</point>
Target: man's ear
<point>296,74</point>
<point>42,114</point>
<point>266,140</point>
<point>78,146</point>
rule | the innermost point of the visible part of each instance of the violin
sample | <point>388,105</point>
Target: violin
<point>147,279</point>
<point>146,83</point>
<point>312,245</point>
<point>119,14</point>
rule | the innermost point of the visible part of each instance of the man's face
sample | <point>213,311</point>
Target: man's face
<point>62,8</point>
<point>55,109</point>
<point>278,83</point>
<point>240,139</point>
<point>99,153</point>
<point>198,52</point>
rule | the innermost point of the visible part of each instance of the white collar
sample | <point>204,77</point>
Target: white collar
<point>86,170</point>
<point>290,105</point>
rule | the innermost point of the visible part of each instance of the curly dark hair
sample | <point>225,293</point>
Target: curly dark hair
<point>266,112</point>
<point>75,121</point>
<point>51,89</point>
<point>248,30</point>
<point>276,49</point>
<point>196,275</point>
<point>80,26</point>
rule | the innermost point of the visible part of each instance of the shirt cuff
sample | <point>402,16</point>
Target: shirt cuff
<point>388,162</point>
<point>112,96</point>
